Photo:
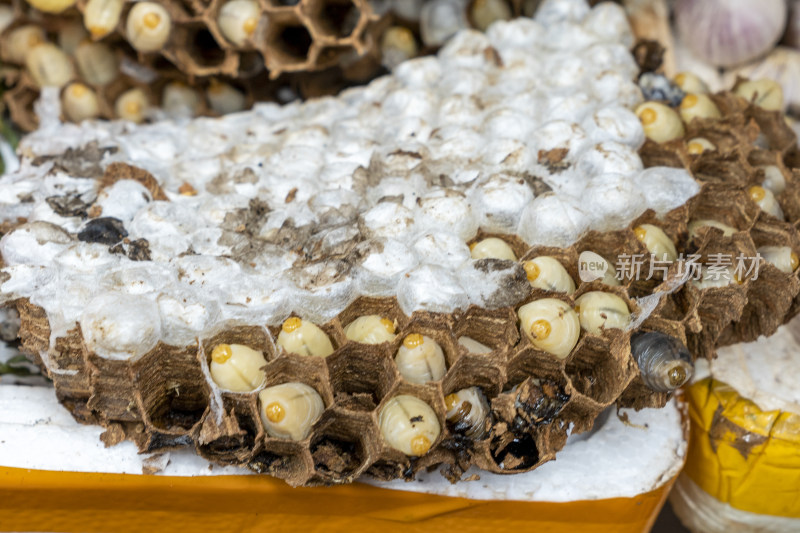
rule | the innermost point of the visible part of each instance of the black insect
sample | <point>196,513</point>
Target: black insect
<point>103,230</point>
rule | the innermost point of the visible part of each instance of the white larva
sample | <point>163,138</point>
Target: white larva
<point>302,337</point>
<point>551,325</point>
<point>236,367</point>
<point>289,411</point>
<point>420,359</point>
<point>409,425</point>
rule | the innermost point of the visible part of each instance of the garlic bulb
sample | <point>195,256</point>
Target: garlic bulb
<point>729,32</point>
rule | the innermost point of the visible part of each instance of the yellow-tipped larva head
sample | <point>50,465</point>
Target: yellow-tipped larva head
<point>238,20</point>
<point>51,6</point>
<point>547,273</point>
<point>782,257</point>
<point>698,145</point>
<point>698,106</point>
<point>305,338</point>
<point>473,346</point>
<point>656,241</point>
<point>289,411</point>
<point>101,17</point>
<point>409,425</point>
<point>49,66</point>
<point>370,329</point>
<point>599,310</point>
<point>132,105</point>
<point>661,123</point>
<point>766,200</point>
<point>483,13</point>
<point>420,359</point>
<point>223,98</point>
<point>79,102</point>
<point>695,225</point>
<point>148,26</point>
<point>493,248</point>
<point>19,41</point>
<point>97,63</point>
<point>397,45</point>
<point>690,83</point>
<point>764,93</point>
<point>236,367</point>
<point>467,412</point>
<point>551,325</point>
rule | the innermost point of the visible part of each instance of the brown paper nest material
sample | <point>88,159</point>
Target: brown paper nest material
<point>167,400</point>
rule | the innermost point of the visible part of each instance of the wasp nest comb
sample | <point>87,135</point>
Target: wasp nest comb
<point>116,58</point>
<point>389,280</point>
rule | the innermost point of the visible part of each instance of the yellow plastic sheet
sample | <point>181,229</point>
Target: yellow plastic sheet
<point>742,455</point>
<point>33,500</point>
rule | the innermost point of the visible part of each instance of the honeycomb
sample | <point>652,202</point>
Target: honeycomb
<point>167,399</point>
<point>303,48</point>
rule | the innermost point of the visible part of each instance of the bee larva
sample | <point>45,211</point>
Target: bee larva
<point>49,66</point>
<point>661,123</point>
<point>101,17</point>
<point>664,362</point>
<point>483,13</point>
<point>148,26</point>
<point>223,98</point>
<point>409,425</point>
<point>238,20</point>
<point>698,145</point>
<point>180,100</point>
<point>695,225</point>
<point>420,359</point>
<point>302,337</point>
<point>132,105</point>
<point>473,346</point>
<point>370,329</point>
<point>397,45</point>
<point>782,257</point>
<point>547,273</point>
<point>592,264</point>
<point>79,102</point>
<point>51,6</point>
<point>601,310</point>
<point>698,106</point>
<point>97,63</point>
<point>690,83</point>
<point>19,41</point>
<point>288,411</point>
<point>236,367</point>
<point>765,93</point>
<point>765,199</point>
<point>773,179</point>
<point>717,277</point>
<point>467,412</point>
<point>551,325</point>
<point>492,248</point>
<point>656,241</point>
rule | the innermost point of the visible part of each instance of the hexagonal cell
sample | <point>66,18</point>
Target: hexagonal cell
<point>517,245</point>
<point>779,135</point>
<point>383,307</point>
<point>494,328</point>
<point>332,329</point>
<point>198,52</point>
<point>288,42</point>
<point>282,459</point>
<point>230,439</point>
<point>113,391</point>
<point>256,337</point>
<point>361,376</point>
<point>716,202</point>
<point>475,371</point>
<point>171,386</point>
<point>312,371</point>
<point>727,168</point>
<point>598,370</point>
<point>669,154</point>
<point>333,18</point>
<point>342,445</point>
<point>610,246</point>
<point>435,326</point>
